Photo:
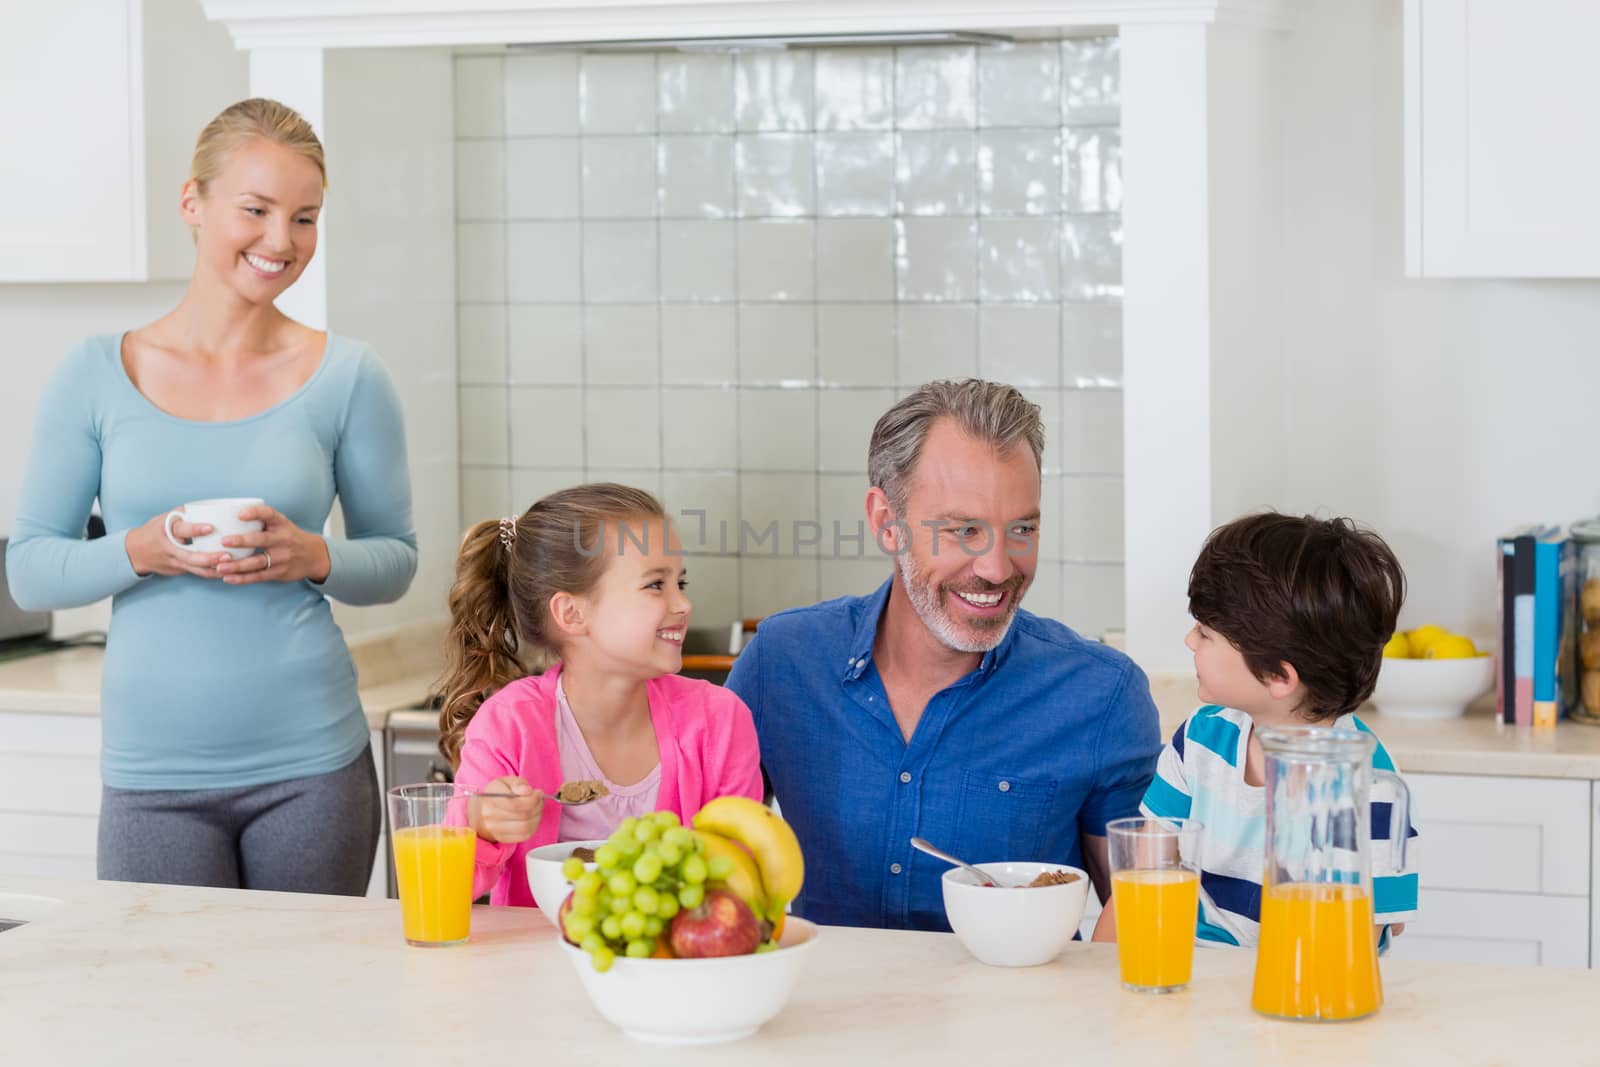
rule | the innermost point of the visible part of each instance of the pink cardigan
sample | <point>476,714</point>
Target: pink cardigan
<point>708,749</point>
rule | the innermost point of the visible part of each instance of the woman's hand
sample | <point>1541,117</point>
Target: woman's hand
<point>507,819</point>
<point>284,552</point>
<point>151,553</point>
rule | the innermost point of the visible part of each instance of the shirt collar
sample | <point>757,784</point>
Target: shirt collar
<point>866,634</point>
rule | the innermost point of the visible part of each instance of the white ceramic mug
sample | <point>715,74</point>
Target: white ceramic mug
<point>223,518</point>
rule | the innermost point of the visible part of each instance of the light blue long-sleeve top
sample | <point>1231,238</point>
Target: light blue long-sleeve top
<point>209,685</point>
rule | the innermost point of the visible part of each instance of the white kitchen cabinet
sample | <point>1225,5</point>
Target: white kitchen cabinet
<point>100,104</point>
<point>1502,159</point>
<point>50,794</point>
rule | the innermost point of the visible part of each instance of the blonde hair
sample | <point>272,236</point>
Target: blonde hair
<point>506,573</point>
<point>241,123</point>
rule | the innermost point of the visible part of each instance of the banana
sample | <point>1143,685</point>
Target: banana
<point>745,881</point>
<point>769,839</point>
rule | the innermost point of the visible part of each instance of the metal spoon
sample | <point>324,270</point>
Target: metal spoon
<point>983,877</point>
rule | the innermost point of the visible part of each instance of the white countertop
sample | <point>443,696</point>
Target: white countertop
<point>131,974</point>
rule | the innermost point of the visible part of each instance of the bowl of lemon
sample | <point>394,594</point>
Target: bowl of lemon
<point>1431,673</point>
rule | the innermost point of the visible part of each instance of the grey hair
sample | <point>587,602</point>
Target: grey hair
<point>992,412</point>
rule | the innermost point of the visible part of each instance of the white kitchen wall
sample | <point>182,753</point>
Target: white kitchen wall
<point>708,275</point>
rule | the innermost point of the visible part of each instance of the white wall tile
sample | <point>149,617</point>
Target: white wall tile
<point>777,344</point>
<point>778,429</point>
<point>542,178</point>
<point>699,344</point>
<point>699,260</point>
<point>936,341</point>
<point>648,480</point>
<point>542,262</point>
<point>481,343</point>
<point>713,592</point>
<point>773,172</point>
<point>482,418</point>
<point>855,259</point>
<point>619,177</point>
<point>1091,80</point>
<point>1091,257</point>
<point>767,586</point>
<point>622,344</point>
<point>696,93</point>
<point>845,418</point>
<point>1091,344</point>
<point>479,89</point>
<point>1092,598</point>
<point>1050,515</point>
<point>856,344</point>
<point>541,96</point>
<point>480,261</point>
<point>936,259</point>
<point>700,428</point>
<point>622,428</point>
<point>715,494</point>
<point>936,173</point>
<point>842,499</point>
<point>1020,84</point>
<point>1091,168</point>
<point>695,177</point>
<point>773,90</point>
<point>936,87</point>
<point>1043,597</point>
<point>619,262</point>
<point>617,93</point>
<point>852,577</point>
<point>480,179</point>
<point>1019,172</point>
<point>1049,402</point>
<point>531,485</point>
<point>790,500</point>
<point>855,174</point>
<point>546,426</point>
<point>855,89</point>
<point>1020,344</point>
<point>546,344</point>
<point>776,259</point>
<point>1091,431</point>
<point>1020,259</point>
<point>1091,519</point>
<point>485,494</point>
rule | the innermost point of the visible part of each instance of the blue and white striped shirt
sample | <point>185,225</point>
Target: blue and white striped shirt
<point>1200,775</point>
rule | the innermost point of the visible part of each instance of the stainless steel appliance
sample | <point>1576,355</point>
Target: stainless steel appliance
<point>410,755</point>
<point>14,622</point>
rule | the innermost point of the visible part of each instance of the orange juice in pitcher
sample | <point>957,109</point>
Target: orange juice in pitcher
<point>1318,956</point>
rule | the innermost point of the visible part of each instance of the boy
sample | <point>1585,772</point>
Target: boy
<point>1291,616</point>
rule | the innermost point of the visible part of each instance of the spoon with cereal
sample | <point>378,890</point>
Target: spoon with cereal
<point>983,877</point>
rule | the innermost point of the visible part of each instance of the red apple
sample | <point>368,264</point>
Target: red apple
<point>723,925</point>
<point>561,918</point>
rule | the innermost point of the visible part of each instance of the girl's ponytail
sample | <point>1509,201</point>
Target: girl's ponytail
<point>483,647</point>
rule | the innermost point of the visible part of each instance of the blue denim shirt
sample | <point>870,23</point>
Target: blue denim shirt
<point>1051,736</point>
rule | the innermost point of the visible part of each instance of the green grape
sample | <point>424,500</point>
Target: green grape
<point>611,927</point>
<point>669,854</point>
<point>691,895</point>
<point>718,868</point>
<point>646,901</point>
<point>693,869</point>
<point>579,926</point>
<point>767,946</point>
<point>591,941</point>
<point>632,925</point>
<point>620,904</point>
<point>630,849</point>
<point>606,856</point>
<point>623,884</point>
<point>640,949</point>
<point>583,905</point>
<point>666,819</point>
<point>679,837</point>
<point>589,884</point>
<point>647,869</point>
<point>667,907</point>
<point>572,869</point>
<point>627,825</point>
<point>603,958</point>
<point>653,926</point>
<point>646,831</point>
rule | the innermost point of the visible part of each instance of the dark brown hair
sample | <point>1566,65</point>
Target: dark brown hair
<point>506,573</point>
<point>1322,595</point>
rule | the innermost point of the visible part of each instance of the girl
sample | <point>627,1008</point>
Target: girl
<point>593,575</point>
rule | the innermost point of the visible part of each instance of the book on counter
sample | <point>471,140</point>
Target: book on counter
<point>1536,680</point>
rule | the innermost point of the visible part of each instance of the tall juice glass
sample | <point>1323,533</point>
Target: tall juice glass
<point>434,847</point>
<point>1155,886</point>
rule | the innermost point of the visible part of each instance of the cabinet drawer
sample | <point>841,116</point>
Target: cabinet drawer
<point>1497,928</point>
<point>76,867</point>
<point>47,835</point>
<point>62,735</point>
<point>1502,835</point>
<point>59,785</point>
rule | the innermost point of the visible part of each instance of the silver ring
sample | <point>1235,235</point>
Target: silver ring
<point>268,567</point>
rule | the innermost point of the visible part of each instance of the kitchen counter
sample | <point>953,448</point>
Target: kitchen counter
<point>135,974</point>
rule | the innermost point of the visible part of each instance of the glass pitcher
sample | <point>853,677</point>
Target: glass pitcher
<point>1317,958</point>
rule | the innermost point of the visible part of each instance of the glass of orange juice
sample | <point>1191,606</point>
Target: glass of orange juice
<point>1155,886</point>
<point>434,847</point>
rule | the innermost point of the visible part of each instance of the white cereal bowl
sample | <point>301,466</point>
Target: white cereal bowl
<point>1431,688</point>
<point>697,1002</point>
<point>545,879</point>
<point>1014,927</point>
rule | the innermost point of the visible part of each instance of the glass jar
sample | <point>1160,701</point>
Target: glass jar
<point>1586,534</point>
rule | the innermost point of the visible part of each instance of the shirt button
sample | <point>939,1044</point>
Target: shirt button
<point>894,868</point>
<point>905,776</point>
<point>1005,787</point>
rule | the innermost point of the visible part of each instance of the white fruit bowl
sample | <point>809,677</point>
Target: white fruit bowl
<point>545,879</point>
<point>1014,927</point>
<point>1431,688</point>
<point>697,1002</point>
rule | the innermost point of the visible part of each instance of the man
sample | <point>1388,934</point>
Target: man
<point>936,707</point>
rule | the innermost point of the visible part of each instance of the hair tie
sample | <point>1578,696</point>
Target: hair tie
<point>508,533</point>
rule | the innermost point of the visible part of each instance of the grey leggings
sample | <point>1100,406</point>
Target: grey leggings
<point>306,835</point>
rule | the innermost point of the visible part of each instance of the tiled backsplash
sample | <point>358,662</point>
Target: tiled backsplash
<point>708,275</point>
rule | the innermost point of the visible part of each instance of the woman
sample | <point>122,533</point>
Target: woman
<point>234,751</point>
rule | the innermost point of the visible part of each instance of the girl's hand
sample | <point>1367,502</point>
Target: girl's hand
<point>151,553</point>
<point>285,553</point>
<point>507,820</point>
